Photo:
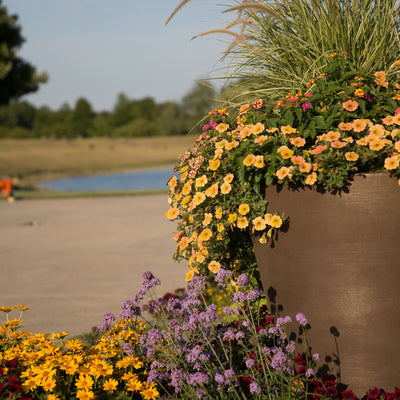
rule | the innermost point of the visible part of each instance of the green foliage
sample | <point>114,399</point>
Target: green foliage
<point>17,77</point>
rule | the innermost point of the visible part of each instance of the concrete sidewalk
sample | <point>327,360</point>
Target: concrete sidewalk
<point>72,260</point>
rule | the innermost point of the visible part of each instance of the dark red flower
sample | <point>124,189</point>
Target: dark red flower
<point>12,363</point>
<point>1,371</point>
<point>245,381</point>
<point>374,393</point>
<point>331,392</point>
<point>330,384</point>
<point>348,395</point>
<point>300,359</point>
<point>301,370</point>
<point>12,379</point>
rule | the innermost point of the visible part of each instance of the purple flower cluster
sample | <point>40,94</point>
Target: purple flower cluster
<point>196,349</point>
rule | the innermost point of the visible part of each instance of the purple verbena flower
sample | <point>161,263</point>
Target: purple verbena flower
<point>243,280</point>
<point>301,319</point>
<point>254,388</point>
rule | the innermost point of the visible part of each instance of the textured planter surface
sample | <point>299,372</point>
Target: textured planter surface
<point>339,264</point>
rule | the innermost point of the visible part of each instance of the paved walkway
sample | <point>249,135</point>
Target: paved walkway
<point>72,260</point>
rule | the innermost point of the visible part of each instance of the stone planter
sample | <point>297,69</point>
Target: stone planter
<point>338,262</point>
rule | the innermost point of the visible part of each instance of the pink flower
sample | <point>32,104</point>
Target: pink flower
<point>397,111</point>
<point>306,105</point>
<point>308,94</point>
<point>318,150</point>
<point>257,104</point>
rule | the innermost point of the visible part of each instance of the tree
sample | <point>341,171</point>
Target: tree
<point>199,101</point>
<point>17,77</point>
<point>82,117</point>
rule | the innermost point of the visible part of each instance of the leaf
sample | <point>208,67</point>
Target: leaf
<point>288,117</point>
<point>299,114</point>
<point>268,180</point>
<point>332,67</point>
<point>361,103</point>
<point>349,90</point>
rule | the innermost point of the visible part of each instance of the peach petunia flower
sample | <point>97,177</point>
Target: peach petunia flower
<point>311,179</point>
<point>226,188</point>
<point>376,144</point>
<point>338,144</point>
<point>242,222</point>
<point>351,156</point>
<point>350,105</point>
<point>359,125</point>
<point>346,126</point>
<point>285,152</point>
<point>249,160</point>
<point>201,181</point>
<point>305,167</point>
<point>283,172</point>
<point>331,136</point>
<point>261,139</point>
<point>244,108</point>
<point>388,120</point>
<point>212,191</point>
<point>259,224</point>
<point>198,198</point>
<point>222,127</point>
<point>297,160</point>
<point>392,162</point>
<point>298,141</point>
<point>259,162</point>
<point>318,150</point>
<point>258,128</point>
<point>214,266</point>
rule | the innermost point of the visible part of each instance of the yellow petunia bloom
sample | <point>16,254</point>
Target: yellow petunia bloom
<point>214,266</point>
<point>201,181</point>
<point>228,178</point>
<point>198,198</point>
<point>244,208</point>
<point>172,213</point>
<point>249,160</point>
<point>242,222</point>
<point>351,156</point>
<point>259,224</point>
<point>285,152</point>
<point>214,164</point>
<point>259,162</point>
<point>207,219</point>
<point>218,213</point>
<point>276,221</point>
<point>226,188</point>
<point>212,191</point>
<point>205,235</point>
<point>186,189</point>
<point>232,218</point>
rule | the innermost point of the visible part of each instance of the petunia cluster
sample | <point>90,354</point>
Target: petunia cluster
<point>342,123</point>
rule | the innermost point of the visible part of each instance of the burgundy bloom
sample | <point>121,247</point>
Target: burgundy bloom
<point>331,392</point>
<point>12,363</point>
<point>374,393</point>
<point>348,395</point>
<point>300,359</point>
<point>245,381</point>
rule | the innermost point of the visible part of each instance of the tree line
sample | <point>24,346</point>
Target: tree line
<point>128,118</point>
<point>144,117</point>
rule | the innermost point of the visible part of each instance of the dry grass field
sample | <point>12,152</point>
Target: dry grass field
<point>33,160</point>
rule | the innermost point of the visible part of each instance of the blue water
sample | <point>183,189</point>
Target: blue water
<point>139,180</point>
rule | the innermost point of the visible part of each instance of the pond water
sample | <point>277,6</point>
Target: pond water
<point>138,180</point>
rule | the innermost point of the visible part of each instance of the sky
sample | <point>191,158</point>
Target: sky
<point>97,49</point>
